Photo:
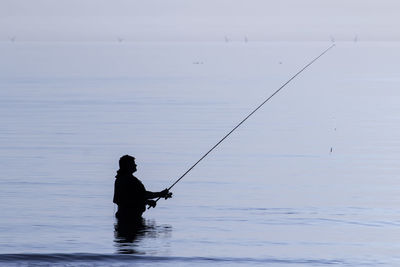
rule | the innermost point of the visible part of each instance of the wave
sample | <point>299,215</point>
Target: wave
<point>92,258</point>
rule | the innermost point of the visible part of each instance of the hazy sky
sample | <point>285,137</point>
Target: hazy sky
<point>198,20</point>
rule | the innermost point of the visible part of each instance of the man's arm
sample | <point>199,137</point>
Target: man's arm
<point>165,194</point>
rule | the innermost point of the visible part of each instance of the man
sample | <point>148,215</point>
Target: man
<point>130,194</point>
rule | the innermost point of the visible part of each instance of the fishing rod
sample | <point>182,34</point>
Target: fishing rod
<point>248,116</point>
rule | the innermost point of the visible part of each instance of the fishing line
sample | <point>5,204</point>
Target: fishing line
<point>248,116</point>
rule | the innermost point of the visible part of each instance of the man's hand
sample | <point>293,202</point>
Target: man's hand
<point>151,203</point>
<point>166,194</point>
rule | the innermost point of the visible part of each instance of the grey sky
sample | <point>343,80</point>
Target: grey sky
<point>195,20</point>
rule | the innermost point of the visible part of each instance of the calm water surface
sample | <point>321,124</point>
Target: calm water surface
<point>311,180</point>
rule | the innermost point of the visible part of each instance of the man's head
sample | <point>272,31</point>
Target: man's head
<point>127,164</point>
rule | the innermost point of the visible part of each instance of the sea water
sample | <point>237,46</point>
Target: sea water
<point>311,179</point>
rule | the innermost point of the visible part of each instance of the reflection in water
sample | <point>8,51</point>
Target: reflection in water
<point>129,233</point>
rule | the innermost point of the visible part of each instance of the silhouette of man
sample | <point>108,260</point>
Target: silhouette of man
<point>130,194</point>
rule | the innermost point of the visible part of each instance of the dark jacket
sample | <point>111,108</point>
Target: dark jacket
<point>130,196</point>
